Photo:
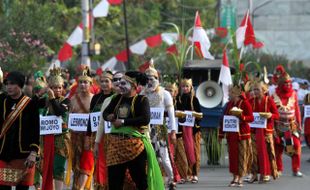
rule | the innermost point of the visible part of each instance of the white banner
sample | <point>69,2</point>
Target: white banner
<point>306,111</point>
<point>107,127</point>
<point>169,126</point>
<point>50,125</point>
<point>94,120</point>
<point>190,119</point>
<point>230,123</point>
<point>78,121</point>
<point>157,116</point>
<point>259,122</point>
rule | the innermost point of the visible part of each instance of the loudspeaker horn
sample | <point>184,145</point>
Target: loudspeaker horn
<point>209,94</point>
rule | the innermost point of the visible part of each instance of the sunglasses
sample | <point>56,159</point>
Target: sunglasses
<point>116,79</point>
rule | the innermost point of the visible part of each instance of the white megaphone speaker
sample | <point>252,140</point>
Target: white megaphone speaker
<point>209,94</point>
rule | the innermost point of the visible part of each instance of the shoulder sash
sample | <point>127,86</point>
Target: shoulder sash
<point>9,120</point>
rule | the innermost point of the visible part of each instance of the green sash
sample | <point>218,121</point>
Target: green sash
<point>154,176</point>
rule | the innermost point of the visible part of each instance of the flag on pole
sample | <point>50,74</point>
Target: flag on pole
<point>245,33</point>
<point>225,77</point>
<point>201,40</point>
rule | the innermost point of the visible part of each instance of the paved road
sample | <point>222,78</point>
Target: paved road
<point>219,178</point>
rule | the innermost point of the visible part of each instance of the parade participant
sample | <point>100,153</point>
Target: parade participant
<point>127,147</point>
<point>187,101</point>
<point>128,182</point>
<point>55,149</point>
<point>262,139</point>
<point>160,98</point>
<point>105,81</point>
<point>307,123</point>
<point>177,151</point>
<point>19,136</point>
<point>239,143</point>
<point>82,156</point>
<point>288,126</point>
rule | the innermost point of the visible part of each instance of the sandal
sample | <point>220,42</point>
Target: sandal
<point>233,184</point>
<point>253,179</point>
<point>182,181</point>
<point>239,184</point>
<point>194,179</point>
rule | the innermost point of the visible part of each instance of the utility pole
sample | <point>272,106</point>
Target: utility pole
<point>85,43</point>
<point>126,35</point>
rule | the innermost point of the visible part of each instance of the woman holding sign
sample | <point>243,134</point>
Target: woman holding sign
<point>187,101</point>
<point>55,143</point>
<point>238,134</point>
<point>127,146</point>
<point>264,161</point>
<point>105,81</point>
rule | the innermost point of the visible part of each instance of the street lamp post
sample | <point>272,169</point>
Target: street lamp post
<point>85,43</point>
<point>256,8</point>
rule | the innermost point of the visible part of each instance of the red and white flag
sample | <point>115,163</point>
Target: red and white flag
<point>201,40</point>
<point>245,33</point>
<point>225,77</point>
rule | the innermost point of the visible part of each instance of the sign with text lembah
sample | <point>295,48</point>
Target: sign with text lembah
<point>306,111</point>
<point>107,127</point>
<point>189,119</point>
<point>259,122</point>
<point>230,123</point>
<point>157,116</point>
<point>94,120</point>
<point>78,121</point>
<point>50,125</point>
<point>169,126</point>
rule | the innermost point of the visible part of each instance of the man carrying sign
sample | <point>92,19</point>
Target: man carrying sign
<point>262,139</point>
<point>239,143</point>
<point>161,98</point>
<point>19,138</point>
<point>82,156</point>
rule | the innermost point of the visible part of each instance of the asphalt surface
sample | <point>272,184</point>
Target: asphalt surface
<point>218,177</point>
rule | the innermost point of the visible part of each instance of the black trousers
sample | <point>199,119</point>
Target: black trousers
<point>137,170</point>
<point>18,187</point>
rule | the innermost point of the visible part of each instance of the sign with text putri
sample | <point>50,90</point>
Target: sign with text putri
<point>259,122</point>
<point>157,116</point>
<point>50,125</point>
<point>230,123</point>
<point>94,120</point>
<point>78,121</point>
<point>306,111</point>
<point>190,119</point>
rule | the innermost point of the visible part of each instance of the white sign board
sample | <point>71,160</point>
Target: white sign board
<point>107,127</point>
<point>50,125</point>
<point>94,120</point>
<point>190,119</point>
<point>307,111</point>
<point>78,121</point>
<point>169,126</point>
<point>230,123</point>
<point>259,122</point>
<point>157,116</point>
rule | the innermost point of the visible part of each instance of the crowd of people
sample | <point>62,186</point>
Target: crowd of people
<point>128,149</point>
